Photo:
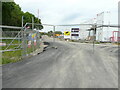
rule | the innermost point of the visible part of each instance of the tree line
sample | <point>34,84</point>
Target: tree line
<point>12,15</point>
<point>51,33</point>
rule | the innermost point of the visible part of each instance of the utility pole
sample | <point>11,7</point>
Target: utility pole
<point>54,38</point>
<point>32,22</point>
<point>38,13</point>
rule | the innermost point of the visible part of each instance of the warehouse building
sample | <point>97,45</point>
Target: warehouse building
<point>106,33</point>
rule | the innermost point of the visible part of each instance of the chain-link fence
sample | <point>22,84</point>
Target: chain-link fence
<point>31,40</point>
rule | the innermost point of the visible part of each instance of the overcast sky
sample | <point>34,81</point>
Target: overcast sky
<point>68,11</point>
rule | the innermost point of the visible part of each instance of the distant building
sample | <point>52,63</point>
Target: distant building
<point>104,34</point>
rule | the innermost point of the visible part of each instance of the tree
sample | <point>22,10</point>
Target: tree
<point>50,33</point>
<point>12,15</point>
<point>58,32</point>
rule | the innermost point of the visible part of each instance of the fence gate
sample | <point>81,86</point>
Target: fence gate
<point>10,44</point>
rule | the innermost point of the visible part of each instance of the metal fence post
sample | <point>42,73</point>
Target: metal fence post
<point>22,38</point>
<point>53,34</point>
<point>33,32</point>
<point>38,39</point>
<point>94,26</point>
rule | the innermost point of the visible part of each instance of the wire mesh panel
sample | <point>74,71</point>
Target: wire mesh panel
<point>32,37</point>
<point>30,41</point>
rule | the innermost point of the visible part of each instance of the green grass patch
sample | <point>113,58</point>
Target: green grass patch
<point>8,41</point>
<point>29,50</point>
<point>97,42</point>
<point>11,56</point>
<point>10,47</point>
<point>14,56</point>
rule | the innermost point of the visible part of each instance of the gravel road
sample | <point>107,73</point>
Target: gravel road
<point>71,65</point>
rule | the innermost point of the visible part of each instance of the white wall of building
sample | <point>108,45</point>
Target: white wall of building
<point>83,31</point>
<point>75,37</point>
<point>104,33</point>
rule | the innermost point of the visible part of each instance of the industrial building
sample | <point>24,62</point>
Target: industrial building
<point>105,30</point>
<point>106,33</point>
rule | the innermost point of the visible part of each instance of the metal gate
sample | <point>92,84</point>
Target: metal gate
<point>10,44</point>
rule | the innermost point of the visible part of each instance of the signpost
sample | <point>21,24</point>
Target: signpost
<point>67,33</point>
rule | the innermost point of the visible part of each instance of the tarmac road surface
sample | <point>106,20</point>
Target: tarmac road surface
<point>71,65</point>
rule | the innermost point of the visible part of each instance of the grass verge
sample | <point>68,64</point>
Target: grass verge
<point>11,56</point>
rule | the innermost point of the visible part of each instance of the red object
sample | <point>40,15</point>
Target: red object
<point>114,38</point>
<point>29,46</point>
<point>2,44</point>
<point>28,27</point>
<point>35,43</point>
